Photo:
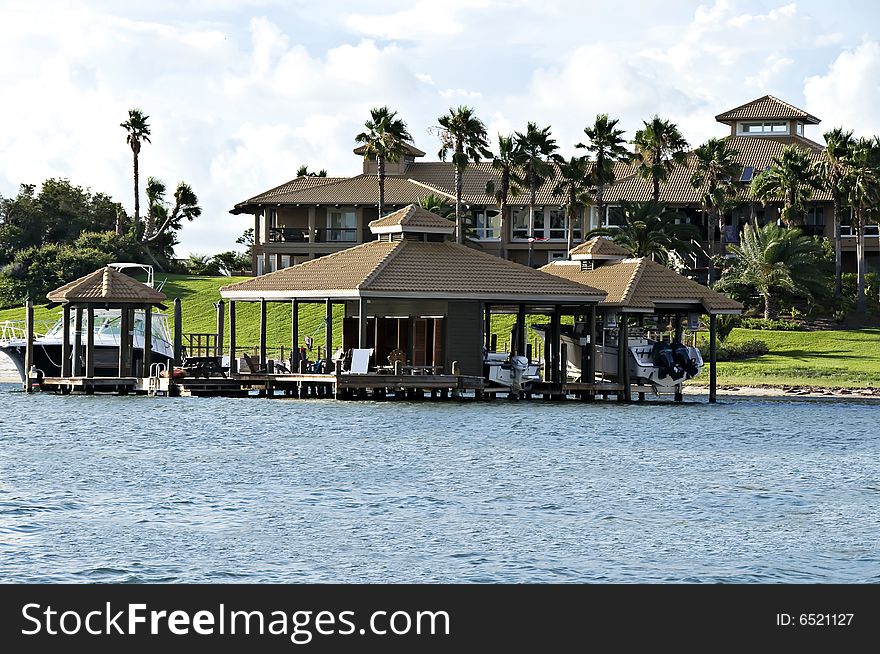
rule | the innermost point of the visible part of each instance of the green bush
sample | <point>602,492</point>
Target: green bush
<point>778,325</point>
<point>736,351</point>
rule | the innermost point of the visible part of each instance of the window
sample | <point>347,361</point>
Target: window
<point>800,129</point>
<point>487,224</point>
<point>342,225</point>
<point>285,260</point>
<point>550,224</point>
<point>815,217</point>
<point>764,127</point>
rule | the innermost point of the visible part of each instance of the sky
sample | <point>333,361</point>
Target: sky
<point>241,92</point>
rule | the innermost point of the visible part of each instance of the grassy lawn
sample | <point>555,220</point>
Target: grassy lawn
<point>833,358</point>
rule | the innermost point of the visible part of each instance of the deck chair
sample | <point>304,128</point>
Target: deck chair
<point>253,367</point>
<point>360,360</point>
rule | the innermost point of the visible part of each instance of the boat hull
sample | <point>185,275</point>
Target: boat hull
<point>47,359</point>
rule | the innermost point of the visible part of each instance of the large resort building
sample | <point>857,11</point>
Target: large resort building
<point>309,217</point>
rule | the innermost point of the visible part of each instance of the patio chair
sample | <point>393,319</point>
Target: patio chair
<point>253,367</point>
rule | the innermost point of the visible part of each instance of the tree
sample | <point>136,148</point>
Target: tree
<point>771,260</point>
<point>715,170</point>
<point>508,162</point>
<point>538,150</point>
<point>137,131</point>
<point>863,181</point>
<point>789,178</point>
<point>303,171</point>
<point>831,170</point>
<point>573,184</point>
<point>436,204</point>
<point>607,147</point>
<point>659,148</point>
<point>649,229</point>
<point>385,139</point>
<point>463,134</point>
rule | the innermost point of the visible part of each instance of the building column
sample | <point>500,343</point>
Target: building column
<point>555,340</point>
<point>623,358</point>
<point>359,222</point>
<point>178,332</point>
<point>123,330</point>
<point>90,342</point>
<point>487,326</point>
<point>77,342</point>
<point>591,347</point>
<point>362,322</point>
<point>311,224</point>
<point>328,328</point>
<point>148,340</point>
<point>221,315</point>
<point>294,331</point>
<point>713,357</point>
<point>521,330</point>
<point>233,359</point>
<point>65,341</point>
<point>263,329</point>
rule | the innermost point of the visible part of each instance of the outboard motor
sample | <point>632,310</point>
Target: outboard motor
<point>518,367</point>
<point>682,358</point>
<point>662,356</point>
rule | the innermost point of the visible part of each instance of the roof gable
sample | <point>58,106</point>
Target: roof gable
<point>106,286</point>
<point>412,218</point>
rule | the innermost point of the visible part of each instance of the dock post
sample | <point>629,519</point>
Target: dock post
<point>29,344</point>
<point>554,345</point>
<point>679,328</point>
<point>328,326</point>
<point>263,328</point>
<point>623,359</point>
<point>362,322</point>
<point>148,341</point>
<point>90,342</point>
<point>487,326</point>
<point>713,357</point>
<point>178,332</point>
<point>77,342</point>
<point>521,330</point>
<point>65,341</point>
<point>221,315</point>
<point>563,363</point>
<point>294,331</point>
<point>233,360</point>
<point>591,349</point>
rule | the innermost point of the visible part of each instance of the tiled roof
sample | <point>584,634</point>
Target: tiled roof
<point>413,216</point>
<point>644,284</point>
<point>755,151</point>
<point>598,247</point>
<point>409,147</point>
<point>766,108</point>
<point>106,286</point>
<point>296,184</point>
<point>362,189</point>
<point>410,267</point>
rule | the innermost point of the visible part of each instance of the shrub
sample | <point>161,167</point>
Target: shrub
<point>778,325</point>
<point>736,351</point>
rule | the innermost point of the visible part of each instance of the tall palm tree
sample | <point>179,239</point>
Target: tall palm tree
<point>649,229</point>
<point>539,151</point>
<point>137,131</point>
<point>508,162</point>
<point>607,147</point>
<point>303,171</point>
<point>791,178</point>
<point>831,171</point>
<point>715,170</point>
<point>463,134</point>
<point>385,139</point>
<point>771,260</point>
<point>573,184</point>
<point>659,148</point>
<point>863,181</point>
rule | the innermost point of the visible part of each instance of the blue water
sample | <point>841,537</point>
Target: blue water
<point>133,489</point>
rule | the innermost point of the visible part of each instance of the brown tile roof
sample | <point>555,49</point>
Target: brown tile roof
<point>414,216</point>
<point>599,246</point>
<point>409,147</point>
<point>106,286</point>
<point>766,108</point>
<point>755,151</point>
<point>407,268</point>
<point>362,189</point>
<point>296,184</point>
<point>644,284</point>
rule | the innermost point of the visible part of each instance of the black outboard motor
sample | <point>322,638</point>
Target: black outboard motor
<point>662,355</point>
<point>682,357</point>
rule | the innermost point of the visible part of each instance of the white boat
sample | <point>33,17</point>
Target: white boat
<point>514,372</point>
<point>48,345</point>
<point>652,363</point>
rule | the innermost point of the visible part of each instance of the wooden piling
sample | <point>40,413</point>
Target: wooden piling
<point>263,328</point>
<point>148,341</point>
<point>65,341</point>
<point>77,342</point>
<point>233,359</point>
<point>221,314</point>
<point>178,332</point>
<point>713,357</point>
<point>29,344</point>
<point>90,342</point>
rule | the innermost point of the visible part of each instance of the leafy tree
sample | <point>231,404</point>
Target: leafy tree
<point>831,171</point>
<point>606,144</point>
<point>36,270</point>
<point>649,229</point>
<point>772,260</point>
<point>247,240</point>
<point>863,181</point>
<point>463,134</point>
<point>509,161</point>
<point>715,169</point>
<point>137,131</point>
<point>573,185</point>
<point>789,178</point>
<point>436,204</point>
<point>385,138</point>
<point>202,264</point>
<point>230,262</point>
<point>303,171</point>
<point>538,150</point>
<point>659,148</point>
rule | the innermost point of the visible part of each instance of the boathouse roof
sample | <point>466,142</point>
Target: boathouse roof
<point>106,286</point>
<point>642,285</point>
<point>412,218</point>
<point>599,247</point>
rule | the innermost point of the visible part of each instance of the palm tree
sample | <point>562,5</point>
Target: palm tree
<point>607,146</point>
<point>186,205</point>
<point>508,162</point>
<point>138,130</point>
<point>539,150</point>
<point>436,204</point>
<point>155,205</point>
<point>831,170</point>
<point>772,259</point>
<point>791,178</point>
<point>463,134</point>
<point>303,171</point>
<point>659,148</point>
<point>863,181</point>
<point>649,230</point>
<point>385,140</point>
<point>573,184</point>
<point>715,169</point>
